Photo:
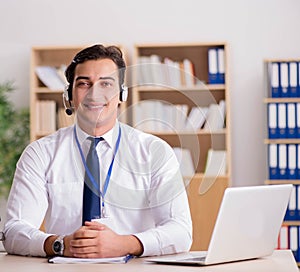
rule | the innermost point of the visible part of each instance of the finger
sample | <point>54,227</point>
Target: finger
<point>95,226</point>
<point>83,252</point>
<point>85,234</point>
<point>81,243</point>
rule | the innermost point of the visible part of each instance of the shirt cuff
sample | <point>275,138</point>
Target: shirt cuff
<point>149,242</point>
<point>37,247</point>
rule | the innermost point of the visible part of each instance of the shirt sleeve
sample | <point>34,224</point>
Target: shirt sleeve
<point>22,234</point>
<point>169,204</point>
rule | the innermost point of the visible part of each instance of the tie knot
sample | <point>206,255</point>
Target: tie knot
<point>95,141</point>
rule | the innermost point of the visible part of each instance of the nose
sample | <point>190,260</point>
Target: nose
<point>94,92</point>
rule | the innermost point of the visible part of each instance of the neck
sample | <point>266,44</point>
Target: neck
<point>95,130</point>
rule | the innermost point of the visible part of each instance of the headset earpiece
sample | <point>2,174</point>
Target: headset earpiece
<point>66,97</point>
<point>66,93</point>
<point>123,93</point>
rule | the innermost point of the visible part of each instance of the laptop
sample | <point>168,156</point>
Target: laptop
<point>247,226</point>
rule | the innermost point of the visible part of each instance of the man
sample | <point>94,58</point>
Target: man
<point>142,204</point>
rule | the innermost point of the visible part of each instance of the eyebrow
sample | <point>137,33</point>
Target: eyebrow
<point>87,78</point>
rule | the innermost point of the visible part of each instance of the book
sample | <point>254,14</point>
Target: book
<point>215,163</point>
<point>185,160</point>
<point>215,116</point>
<point>189,72</point>
<point>49,76</point>
<point>196,118</point>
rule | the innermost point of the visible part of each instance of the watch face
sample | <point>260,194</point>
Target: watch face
<point>57,247</point>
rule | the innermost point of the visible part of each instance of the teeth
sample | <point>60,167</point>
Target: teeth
<point>95,107</point>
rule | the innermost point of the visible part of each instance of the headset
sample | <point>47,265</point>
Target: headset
<point>67,96</point>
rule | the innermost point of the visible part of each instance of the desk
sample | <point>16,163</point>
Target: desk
<point>280,261</point>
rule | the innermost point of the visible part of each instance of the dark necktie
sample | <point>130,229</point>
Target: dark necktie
<point>91,193</point>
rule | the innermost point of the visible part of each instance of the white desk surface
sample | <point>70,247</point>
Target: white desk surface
<point>280,261</point>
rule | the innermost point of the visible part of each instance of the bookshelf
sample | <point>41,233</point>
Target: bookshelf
<point>184,76</point>
<point>46,88</point>
<point>282,83</point>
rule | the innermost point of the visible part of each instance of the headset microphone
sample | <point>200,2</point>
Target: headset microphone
<point>69,111</point>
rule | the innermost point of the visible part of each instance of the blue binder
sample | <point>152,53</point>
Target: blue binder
<point>282,161</point>
<point>298,79</point>
<point>282,120</point>
<point>284,79</point>
<point>291,212</point>
<point>273,121</point>
<point>221,66</point>
<point>274,72</point>
<point>293,79</point>
<point>291,161</point>
<point>273,161</point>
<point>291,120</point>
<point>297,161</point>
<point>212,66</point>
<point>297,119</point>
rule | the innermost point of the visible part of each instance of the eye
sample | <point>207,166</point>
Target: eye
<point>106,84</point>
<point>83,84</point>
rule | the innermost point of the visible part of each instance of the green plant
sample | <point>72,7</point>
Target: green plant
<point>14,136</point>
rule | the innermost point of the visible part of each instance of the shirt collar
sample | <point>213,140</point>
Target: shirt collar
<point>110,136</point>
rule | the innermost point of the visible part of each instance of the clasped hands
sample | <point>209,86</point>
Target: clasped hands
<point>96,240</point>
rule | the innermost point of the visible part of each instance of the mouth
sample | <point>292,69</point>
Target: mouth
<point>94,107</point>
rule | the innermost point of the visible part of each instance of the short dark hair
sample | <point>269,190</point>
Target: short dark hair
<point>95,52</point>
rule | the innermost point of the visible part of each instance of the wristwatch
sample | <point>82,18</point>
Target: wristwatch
<point>58,245</point>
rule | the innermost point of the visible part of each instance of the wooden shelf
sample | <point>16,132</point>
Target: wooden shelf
<point>282,100</point>
<point>196,88</point>
<point>54,56</point>
<point>45,90</point>
<point>204,208</point>
<point>282,141</point>
<point>291,223</point>
<point>282,181</point>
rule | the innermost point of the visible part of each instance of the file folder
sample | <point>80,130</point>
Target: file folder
<point>282,161</point>
<point>274,76</point>
<point>272,121</point>
<point>282,120</point>
<point>292,206</point>
<point>294,240</point>
<point>297,211</point>
<point>291,120</point>
<point>292,173</point>
<point>293,79</point>
<point>297,120</point>
<point>212,66</point>
<point>298,162</point>
<point>298,79</point>
<point>284,79</point>
<point>221,66</point>
<point>273,161</point>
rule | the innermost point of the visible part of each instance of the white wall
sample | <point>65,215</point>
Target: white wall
<point>254,29</point>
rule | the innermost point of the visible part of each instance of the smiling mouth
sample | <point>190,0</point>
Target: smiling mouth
<point>95,107</point>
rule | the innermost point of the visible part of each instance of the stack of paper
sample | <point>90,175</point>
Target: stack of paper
<point>65,260</point>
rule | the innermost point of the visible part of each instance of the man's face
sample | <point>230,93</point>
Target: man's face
<point>96,93</point>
